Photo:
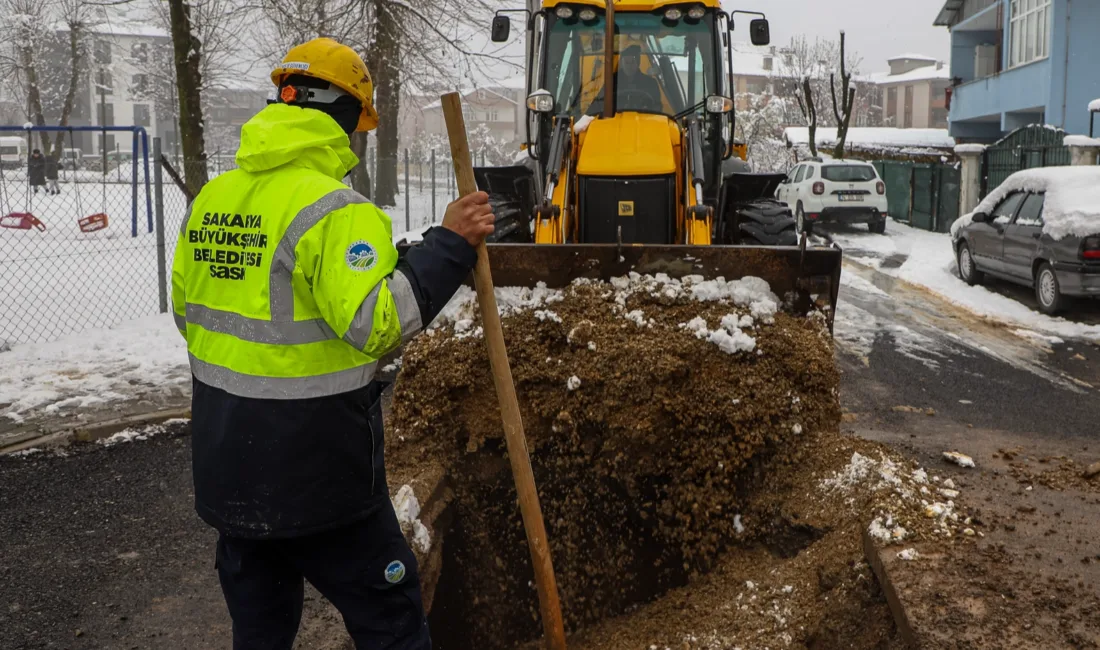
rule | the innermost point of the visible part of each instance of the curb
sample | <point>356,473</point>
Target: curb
<point>98,431</point>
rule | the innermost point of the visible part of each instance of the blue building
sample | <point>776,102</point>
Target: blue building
<point>1020,62</point>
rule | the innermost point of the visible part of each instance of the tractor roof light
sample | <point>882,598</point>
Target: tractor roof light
<point>541,101</point>
<point>697,12</point>
<point>673,14</point>
<point>588,14</point>
<point>719,105</point>
<point>564,12</point>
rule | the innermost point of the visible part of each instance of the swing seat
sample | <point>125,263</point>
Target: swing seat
<point>93,223</point>
<point>21,221</point>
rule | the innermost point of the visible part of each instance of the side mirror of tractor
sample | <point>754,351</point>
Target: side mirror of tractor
<point>760,32</point>
<point>502,27</point>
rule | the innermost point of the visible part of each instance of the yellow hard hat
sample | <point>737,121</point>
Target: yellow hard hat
<point>338,64</point>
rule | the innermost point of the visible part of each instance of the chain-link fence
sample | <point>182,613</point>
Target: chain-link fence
<point>64,269</point>
<point>78,246</point>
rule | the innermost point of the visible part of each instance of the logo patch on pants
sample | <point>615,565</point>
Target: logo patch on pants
<point>395,572</point>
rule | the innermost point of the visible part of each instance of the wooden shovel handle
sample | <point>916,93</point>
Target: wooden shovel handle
<point>506,394</point>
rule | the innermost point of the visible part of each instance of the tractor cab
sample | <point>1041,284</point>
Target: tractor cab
<point>630,115</point>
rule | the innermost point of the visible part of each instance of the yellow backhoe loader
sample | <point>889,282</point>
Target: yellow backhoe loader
<point>630,124</point>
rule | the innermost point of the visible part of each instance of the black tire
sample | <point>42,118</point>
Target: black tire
<point>968,270</point>
<point>799,219</point>
<point>877,227</point>
<point>1047,290</point>
<point>771,217</point>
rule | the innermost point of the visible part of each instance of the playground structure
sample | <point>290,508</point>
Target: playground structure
<point>25,219</point>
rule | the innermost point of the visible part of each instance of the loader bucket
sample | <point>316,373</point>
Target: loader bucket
<point>805,280</point>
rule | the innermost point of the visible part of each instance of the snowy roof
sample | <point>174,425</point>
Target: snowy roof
<point>1072,206</point>
<point>1094,105</point>
<point>874,137</point>
<point>912,56</point>
<point>466,93</point>
<point>923,73</point>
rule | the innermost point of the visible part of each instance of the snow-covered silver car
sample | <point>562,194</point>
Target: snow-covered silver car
<point>1040,228</point>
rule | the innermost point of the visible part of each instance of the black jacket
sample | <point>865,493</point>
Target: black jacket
<point>51,169</point>
<point>36,170</point>
<point>288,468</point>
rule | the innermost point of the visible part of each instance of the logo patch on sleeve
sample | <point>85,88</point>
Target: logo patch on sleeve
<point>361,256</point>
<point>395,572</point>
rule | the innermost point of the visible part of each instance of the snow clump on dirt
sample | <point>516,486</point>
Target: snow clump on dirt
<point>407,508</point>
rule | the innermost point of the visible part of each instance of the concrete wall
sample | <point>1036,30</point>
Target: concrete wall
<point>962,51</point>
<point>1076,25</point>
<point>922,97</point>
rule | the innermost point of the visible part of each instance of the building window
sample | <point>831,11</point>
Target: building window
<point>102,53</point>
<point>892,102</point>
<point>939,118</point>
<point>768,63</point>
<point>104,114</point>
<point>139,52</point>
<point>908,119</point>
<point>139,85</point>
<point>104,83</point>
<point>493,116</point>
<point>1029,38</point>
<point>756,86</point>
<point>142,116</point>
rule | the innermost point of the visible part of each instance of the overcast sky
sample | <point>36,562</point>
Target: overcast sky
<point>876,29</point>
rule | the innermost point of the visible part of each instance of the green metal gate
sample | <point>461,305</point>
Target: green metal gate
<point>1025,148</point>
<point>923,195</point>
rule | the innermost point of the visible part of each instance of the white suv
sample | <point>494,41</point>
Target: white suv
<point>835,191</point>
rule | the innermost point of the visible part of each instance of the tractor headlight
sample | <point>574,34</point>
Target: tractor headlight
<point>674,14</point>
<point>541,101</point>
<point>697,12</point>
<point>719,105</point>
<point>564,12</point>
<point>588,14</point>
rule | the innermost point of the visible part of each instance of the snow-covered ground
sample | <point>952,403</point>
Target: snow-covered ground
<point>927,259</point>
<point>63,281</point>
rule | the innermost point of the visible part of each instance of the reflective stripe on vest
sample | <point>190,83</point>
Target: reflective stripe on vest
<point>240,384</point>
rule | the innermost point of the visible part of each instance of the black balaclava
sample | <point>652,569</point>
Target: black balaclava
<point>345,110</point>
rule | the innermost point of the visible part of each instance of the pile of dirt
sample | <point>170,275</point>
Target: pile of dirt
<point>653,408</point>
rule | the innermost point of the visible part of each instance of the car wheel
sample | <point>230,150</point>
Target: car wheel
<point>800,219</point>
<point>1048,291</point>
<point>968,271</point>
<point>877,227</point>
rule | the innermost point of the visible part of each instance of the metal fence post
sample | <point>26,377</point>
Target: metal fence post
<point>433,186</point>
<point>407,227</point>
<point>158,197</point>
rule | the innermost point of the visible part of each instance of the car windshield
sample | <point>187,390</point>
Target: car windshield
<point>848,173</point>
<point>660,67</point>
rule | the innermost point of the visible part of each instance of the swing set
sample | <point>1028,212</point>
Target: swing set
<point>26,220</point>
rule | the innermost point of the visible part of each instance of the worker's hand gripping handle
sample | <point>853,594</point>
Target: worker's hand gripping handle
<point>506,394</point>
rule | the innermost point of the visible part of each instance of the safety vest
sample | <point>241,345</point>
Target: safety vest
<point>284,280</point>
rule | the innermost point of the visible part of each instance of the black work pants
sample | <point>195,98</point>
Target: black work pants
<point>366,570</point>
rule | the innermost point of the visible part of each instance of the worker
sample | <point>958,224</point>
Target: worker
<point>635,90</point>
<point>288,288</point>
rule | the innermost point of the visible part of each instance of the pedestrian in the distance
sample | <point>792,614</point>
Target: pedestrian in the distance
<point>51,176</point>
<point>36,170</point>
<point>289,290</point>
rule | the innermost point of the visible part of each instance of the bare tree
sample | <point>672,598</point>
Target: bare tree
<point>49,57</point>
<point>188,51</point>
<point>806,70</point>
<point>842,109</point>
